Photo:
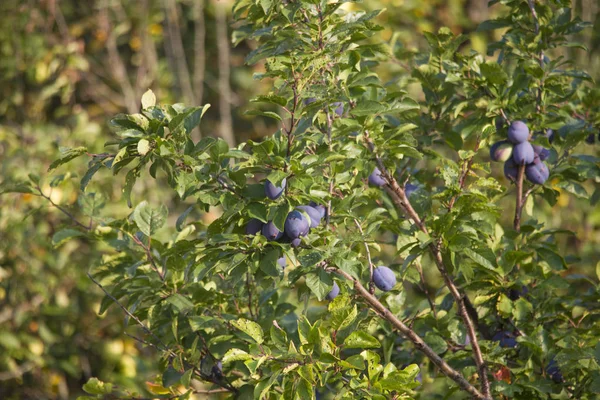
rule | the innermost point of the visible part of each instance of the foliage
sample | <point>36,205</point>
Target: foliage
<point>218,308</point>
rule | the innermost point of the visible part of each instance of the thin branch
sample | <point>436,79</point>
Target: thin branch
<point>249,287</point>
<point>401,201</point>
<point>362,234</point>
<point>150,256</point>
<point>224,74</point>
<point>413,337</point>
<point>330,146</point>
<point>63,210</point>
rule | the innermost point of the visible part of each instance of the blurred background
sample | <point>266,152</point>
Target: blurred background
<point>66,67</point>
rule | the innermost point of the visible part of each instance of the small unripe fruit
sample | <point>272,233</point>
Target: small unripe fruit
<point>550,135</point>
<point>339,108</point>
<point>523,153</point>
<point>511,170</point>
<point>375,178</point>
<point>537,172</point>
<point>274,192</point>
<point>518,132</point>
<point>384,278</point>
<point>271,232</point>
<point>501,151</point>
<point>254,226</point>
<point>296,225</point>
<point>335,290</point>
<point>313,213</point>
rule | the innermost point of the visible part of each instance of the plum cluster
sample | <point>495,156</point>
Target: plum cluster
<point>297,224</point>
<point>517,151</point>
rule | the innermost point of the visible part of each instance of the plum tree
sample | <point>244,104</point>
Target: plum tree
<point>271,232</point>
<point>254,226</point>
<point>274,192</point>
<point>501,151</point>
<point>375,178</point>
<point>335,290</point>
<point>296,225</point>
<point>384,278</point>
<point>518,132</point>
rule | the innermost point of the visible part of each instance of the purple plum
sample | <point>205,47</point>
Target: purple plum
<point>506,339</point>
<point>319,207</point>
<point>296,242</point>
<point>282,262</point>
<point>537,172</point>
<point>339,108</point>
<point>511,170</point>
<point>409,189</point>
<point>384,278</point>
<point>254,226</point>
<point>296,225</point>
<point>375,178</point>
<point>274,192</point>
<point>523,153</point>
<point>591,139</point>
<point>335,290</point>
<point>501,151</point>
<point>271,232</point>
<point>518,132</point>
<point>541,152</point>
<point>313,213</point>
<point>554,371</point>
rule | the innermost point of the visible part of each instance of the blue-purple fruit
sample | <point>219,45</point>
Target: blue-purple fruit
<point>319,207</point>
<point>274,192</point>
<point>542,152</point>
<point>506,339</point>
<point>518,132</point>
<point>511,170</point>
<point>501,151</point>
<point>313,213</point>
<point>271,232</point>
<point>537,172</point>
<point>554,372</point>
<point>335,290</point>
<point>296,225</point>
<point>254,226</point>
<point>384,278</point>
<point>282,262</point>
<point>523,153</point>
<point>375,178</point>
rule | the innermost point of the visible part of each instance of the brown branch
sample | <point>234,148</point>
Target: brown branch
<point>63,210</point>
<point>224,74</point>
<point>413,337</point>
<point>149,255</point>
<point>403,204</point>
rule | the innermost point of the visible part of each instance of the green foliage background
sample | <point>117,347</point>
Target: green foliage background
<point>59,86</point>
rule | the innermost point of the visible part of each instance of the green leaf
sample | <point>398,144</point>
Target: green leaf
<point>250,328</point>
<point>180,302</point>
<point>148,219</point>
<point>67,154</point>
<point>188,120</point>
<point>319,282</point>
<point>64,235</point>
<point>479,259</point>
<point>235,355</point>
<point>361,340</point>
<point>88,175</point>
<point>96,386</point>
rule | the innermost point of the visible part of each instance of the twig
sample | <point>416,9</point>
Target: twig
<point>413,337</point>
<point>401,201</point>
<point>362,234</point>
<point>330,146</point>
<point>149,255</point>
<point>249,295</point>
<point>63,210</point>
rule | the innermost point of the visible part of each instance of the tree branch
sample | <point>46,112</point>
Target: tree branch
<point>412,336</point>
<point>362,234</point>
<point>399,198</point>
